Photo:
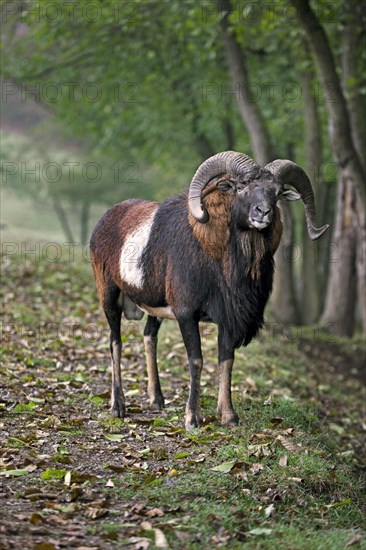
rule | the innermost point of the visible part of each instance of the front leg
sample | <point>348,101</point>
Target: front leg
<point>192,340</point>
<point>225,407</point>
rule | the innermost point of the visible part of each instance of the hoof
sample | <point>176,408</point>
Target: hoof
<point>157,402</point>
<point>229,419</point>
<point>118,410</point>
<point>193,422</point>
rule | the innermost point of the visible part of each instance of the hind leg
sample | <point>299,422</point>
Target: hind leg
<point>150,342</point>
<point>113,312</point>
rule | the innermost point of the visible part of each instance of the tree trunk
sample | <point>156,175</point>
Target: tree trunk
<point>84,223</point>
<point>340,297</point>
<point>340,300</point>
<point>61,214</point>
<point>283,297</point>
<point>339,121</point>
<point>353,74</point>
<point>249,110</point>
<point>310,249</point>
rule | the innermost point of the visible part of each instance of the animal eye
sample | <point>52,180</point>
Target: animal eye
<point>226,185</point>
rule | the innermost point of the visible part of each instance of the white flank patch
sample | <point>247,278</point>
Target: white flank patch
<point>132,250</point>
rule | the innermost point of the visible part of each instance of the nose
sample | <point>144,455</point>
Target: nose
<point>263,209</point>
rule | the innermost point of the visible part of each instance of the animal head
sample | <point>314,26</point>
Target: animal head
<point>255,190</point>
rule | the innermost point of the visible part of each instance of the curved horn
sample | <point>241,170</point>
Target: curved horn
<point>289,172</point>
<point>228,161</point>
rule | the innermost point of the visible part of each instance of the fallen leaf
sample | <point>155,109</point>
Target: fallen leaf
<point>260,450</point>
<point>260,531</point>
<point>154,513</point>
<point>287,444</point>
<point>269,510</point>
<point>283,461</point>
<point>256,468</point>
<point>95,513</point>
<point>14,473</point>
<point>182,454</point>
<point>51,422</point>
<point>225,467</point>
<point>160,539</point>
<point>296,479</point>
<point>67,479</point>
<point>355,540</point>
<point>114,437</point>
<point>342,503</point>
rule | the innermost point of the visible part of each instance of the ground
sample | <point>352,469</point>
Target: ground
<point>290,476</point>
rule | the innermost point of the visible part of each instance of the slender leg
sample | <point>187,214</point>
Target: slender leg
<point>225,407</point>
<point>191,337</point>
<point>113,312</point>
<point>150,342</point>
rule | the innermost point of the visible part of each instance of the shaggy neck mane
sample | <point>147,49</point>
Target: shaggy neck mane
<point>254,245</point>
<point>215,234</point>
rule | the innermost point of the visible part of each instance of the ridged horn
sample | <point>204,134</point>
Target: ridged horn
<point>290,173</point>
<point>231,162</point>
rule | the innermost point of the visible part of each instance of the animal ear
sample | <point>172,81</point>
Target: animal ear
<point>226,185</point>
<point>290,195</point>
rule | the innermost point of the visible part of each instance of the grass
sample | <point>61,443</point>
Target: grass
<point>296,461</point>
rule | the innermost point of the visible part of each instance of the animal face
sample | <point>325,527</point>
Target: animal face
<point>256,202</point>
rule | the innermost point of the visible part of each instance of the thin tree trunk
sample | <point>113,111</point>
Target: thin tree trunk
<point>353,74</point>
<point>249,110</point>
<point>339,121</point>
<point>283,300</point>
<point>84,222</point>
<point>310,249</point>
<point>61,214</point>
<point>283,297</point>
<point>340,300</point>
<point>340,297</point>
